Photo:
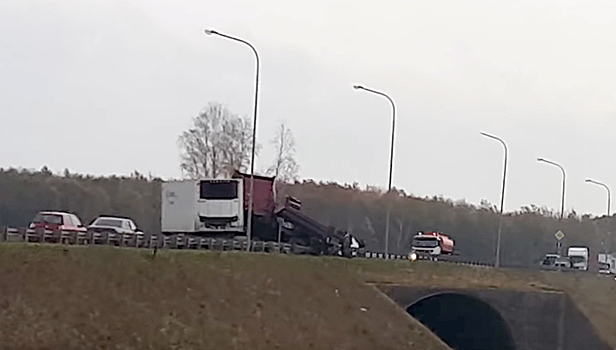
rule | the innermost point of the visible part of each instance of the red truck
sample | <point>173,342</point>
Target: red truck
<point>218,208</point>
<point>430,245</point>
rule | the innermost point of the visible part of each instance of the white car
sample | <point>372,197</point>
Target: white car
<point>115,230</point>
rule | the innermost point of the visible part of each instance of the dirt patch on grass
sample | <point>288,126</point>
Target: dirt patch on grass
<point>53,297</point>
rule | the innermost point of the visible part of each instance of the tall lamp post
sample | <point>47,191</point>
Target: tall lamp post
<point>502,201</point>
<point>391,158</point>
<point>609,193</point>
<point>254,129</point>
<point>562,200</point>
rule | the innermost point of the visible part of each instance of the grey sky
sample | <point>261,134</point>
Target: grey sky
<point>106,87</point>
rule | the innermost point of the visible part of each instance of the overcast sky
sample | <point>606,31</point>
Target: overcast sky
<point>106,87</point>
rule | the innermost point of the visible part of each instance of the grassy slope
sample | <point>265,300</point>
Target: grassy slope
<point>102,298</point>
<point>594,295</point>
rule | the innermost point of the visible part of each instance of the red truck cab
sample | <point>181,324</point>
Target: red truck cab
<point>430,245</point>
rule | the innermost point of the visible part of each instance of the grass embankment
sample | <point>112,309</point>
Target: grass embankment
<point>594,295</point>
<point>53,297</point>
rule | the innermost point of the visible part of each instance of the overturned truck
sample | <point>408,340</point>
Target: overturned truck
<point>218,208</point>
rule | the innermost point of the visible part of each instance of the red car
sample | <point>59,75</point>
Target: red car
<point>56,226</point>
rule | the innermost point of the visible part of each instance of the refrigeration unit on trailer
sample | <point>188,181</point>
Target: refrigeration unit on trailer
<point>209,206</point>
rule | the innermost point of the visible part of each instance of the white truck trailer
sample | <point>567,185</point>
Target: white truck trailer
<point>607,264</point>
<point>204,207</point>
<point>579,257</point>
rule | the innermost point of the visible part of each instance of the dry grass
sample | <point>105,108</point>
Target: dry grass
<point>105,298</point>
<point>428,274</point>
<point>594,295</point>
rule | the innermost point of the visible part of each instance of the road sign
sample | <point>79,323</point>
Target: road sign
<point>559,235</point>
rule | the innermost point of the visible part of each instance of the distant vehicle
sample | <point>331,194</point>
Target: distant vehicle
<point>607,264</point>
<point>579,257</point>
<point>105,229</point>
<point>430,245</point>
<point>550,259</point>
<point>56,226</point>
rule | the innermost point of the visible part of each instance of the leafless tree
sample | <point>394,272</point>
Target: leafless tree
<point>285,167</point>
<point>218,143</point>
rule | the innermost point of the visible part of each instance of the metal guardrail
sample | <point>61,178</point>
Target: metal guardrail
<point>374,255</point>
<point>442,259</point>
<point>179,241</point>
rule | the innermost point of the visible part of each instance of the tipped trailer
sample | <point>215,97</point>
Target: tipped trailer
<point>299,229</point>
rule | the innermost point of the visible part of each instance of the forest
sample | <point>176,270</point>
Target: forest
<point>527,233</point>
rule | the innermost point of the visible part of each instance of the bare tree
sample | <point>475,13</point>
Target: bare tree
<point>285,167</point>
<point>218,143</point>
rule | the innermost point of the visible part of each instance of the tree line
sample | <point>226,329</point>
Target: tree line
<point>527,235</point>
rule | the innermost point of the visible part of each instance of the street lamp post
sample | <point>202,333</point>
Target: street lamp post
<point>562,200</point>
<point>391,158</point>
<point>502,201</point>
<point>609,193</point>
<point>254,130</point>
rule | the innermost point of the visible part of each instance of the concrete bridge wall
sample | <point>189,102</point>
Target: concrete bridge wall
<point>535,320</point>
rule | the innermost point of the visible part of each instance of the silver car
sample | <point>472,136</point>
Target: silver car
<point>114,230</point>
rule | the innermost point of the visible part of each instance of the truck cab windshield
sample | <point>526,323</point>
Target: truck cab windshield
<point>218,190</point>
<point>576,259</point>
<point>426,242</point>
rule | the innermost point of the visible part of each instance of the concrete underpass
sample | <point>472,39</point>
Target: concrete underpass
<point>463,322</point>
<point>488,319</point>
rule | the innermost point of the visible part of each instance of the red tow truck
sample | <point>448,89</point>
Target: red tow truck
<point>430,246</point>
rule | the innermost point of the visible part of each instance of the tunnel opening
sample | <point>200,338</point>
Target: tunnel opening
<point>463,322</point>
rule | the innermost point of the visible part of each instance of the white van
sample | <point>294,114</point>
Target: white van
<point>578,255</point>
<point>607,264</point>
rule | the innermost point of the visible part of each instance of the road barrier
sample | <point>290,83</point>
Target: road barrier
<point>180,241</point>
